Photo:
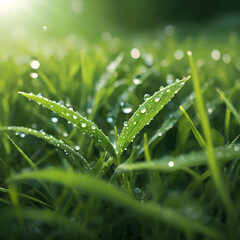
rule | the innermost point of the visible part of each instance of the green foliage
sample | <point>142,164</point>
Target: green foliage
<point>146,112</point>
<point>135,170</point>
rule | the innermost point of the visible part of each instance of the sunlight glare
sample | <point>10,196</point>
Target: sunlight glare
<point>12,6</point>
<point>9,4</point>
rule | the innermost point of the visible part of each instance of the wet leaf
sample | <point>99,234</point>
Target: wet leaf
<point>146,112</point>
<point>85,125</point>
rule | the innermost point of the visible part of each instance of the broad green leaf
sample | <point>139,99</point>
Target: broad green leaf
<point>106,191</point>
<point>169,123</point>
<point>171,164</point>
<point>48,138</point>
<point>146,112</point>
<point>85,125</point>
<point>229,105</point>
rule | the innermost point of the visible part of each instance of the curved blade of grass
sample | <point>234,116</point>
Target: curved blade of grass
<point>196,133</point>
<point>146,112</point>
<point>212,163</point>
<point>104,81</point>
<point>85,125</point>
<point>98,166</point>
<point>49,84</point>
<point>229,105</point>
<point>108,192</point>
<point>172,119</point>
<point>5,190</point>
<point>171,164</point>
<point>31,163</point>
<point>49,139</point>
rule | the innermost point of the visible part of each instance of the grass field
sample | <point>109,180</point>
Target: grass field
<point>102,149</point>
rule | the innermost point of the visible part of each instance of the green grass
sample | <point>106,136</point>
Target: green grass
<point>111,147</point>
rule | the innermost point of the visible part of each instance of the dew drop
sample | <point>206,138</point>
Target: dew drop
<point>156,99</point>
<point>137,81</point>
<point>215,54</point>
<point>135,53</point>
<point>159,134</point>
<point>74,117</point>
<point>127,109</point>
<point>179,54</point>
<point>143,109</point>
<point>109,119</point>
<point>168,90</point>
<point>65,134</point>
<point>146,97</point>
<point>77,148</point>
<point>83,125</point>
<point>34,64</point>
<point>22,135</point>
<point>54,119</point>
<point>93,127</point>
<point>226,58</point>
<point>171,164</point>
<point>34,75</point>
<point>210,110</point>
<point>236,148</point>
<point>125,123</point>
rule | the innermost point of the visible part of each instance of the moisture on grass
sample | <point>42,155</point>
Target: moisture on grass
<point>126,140</point>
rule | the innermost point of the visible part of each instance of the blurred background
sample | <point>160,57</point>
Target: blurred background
<point>92,17</point>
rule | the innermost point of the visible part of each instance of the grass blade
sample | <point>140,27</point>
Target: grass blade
<point>31,163</point>
<point>196,133</point>
<point>49,139</point>
<point>107,191</point>
<point>49,84</point>
<point>5,190</point>
<point>98,166</point>
<point>171,164</point>
<point>85,125</point>
<point>212,163</point>
<point>104,81</point>
<point>229,105</point>
<point>169,122</point>
<point>146,112</point>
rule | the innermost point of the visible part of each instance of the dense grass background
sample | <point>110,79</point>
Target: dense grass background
<point>46,192</point>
